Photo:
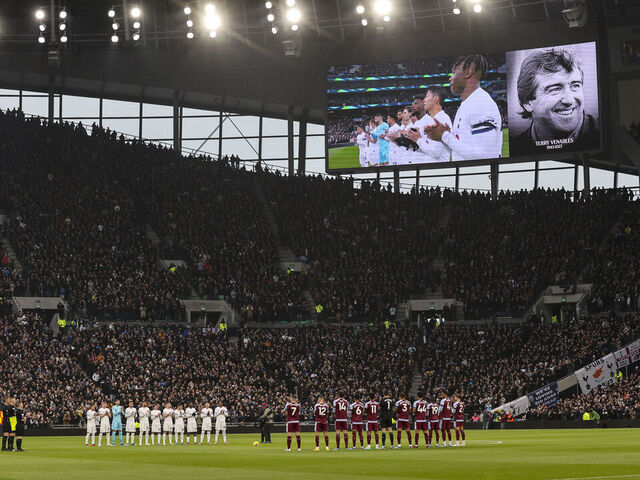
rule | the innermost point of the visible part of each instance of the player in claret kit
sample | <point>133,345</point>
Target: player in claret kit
<point>458,420</point>
<point>340,410</point>
<point>433,411</point>
<point>321,412</point>
<point>372,408</point>
<point>403,408</point>
<point>292,411</point>
<point>357,412</point>
<point>445,418</point>
<point>420,416</point>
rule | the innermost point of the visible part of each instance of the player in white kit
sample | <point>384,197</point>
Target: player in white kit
<point>91,425</point>
<point>363,146</point>
<point>206,414</point>
<point>105,424</point>
<point>476,132</point>
<point>221,413</point>
<point>167,424</point>
<point>130,424</point>
<point>178,415</point>
<point>192,426</point>
<point>373,149</point>
<point>394,132</point>
<point>156,427</point>
<point>143,415</point>
<point>432,150</point>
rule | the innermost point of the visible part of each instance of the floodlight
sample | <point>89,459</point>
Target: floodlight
<point>40,14</point>
<point>383,7</point>
<point>136,12</point>
<point>360,9</point>
<point>293,15</point>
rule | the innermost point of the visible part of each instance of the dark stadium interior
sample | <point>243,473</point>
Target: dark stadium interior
<point>145,269</point>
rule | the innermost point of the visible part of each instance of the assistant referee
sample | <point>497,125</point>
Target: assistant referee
<point>9,422</point>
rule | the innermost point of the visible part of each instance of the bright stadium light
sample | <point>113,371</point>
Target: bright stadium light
<point>386,18</point>
<point>212,34</point>
<point>456,11</point>
<point>209,8</point>
<point>294,27</point>
<point>274,30</point>
<point>187,10</point>
<point>268,5</point>
<point>41,39</point>
<point>40,14</point>
<point>383,7</point>
<point>212,22</point>
<point>291,3</point>
<point>189,23</point>
<point>364,22</point>
<point>271,17</point>
<point>136,36</point>
<point>112,13</point>
<point>477,8</point>
<point>360,9</point>
<point>114,38</point>
<point>115,25</point>
<point>136,24</point>
<point>136,12</point>
<point>293,15</point>
<point>63,14</point>
<point>64,38</point>
<point>189,34</point>
<point>42,27</point>
<point>62,27</point>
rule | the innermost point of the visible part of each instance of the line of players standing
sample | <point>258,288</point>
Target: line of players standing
<point>429,418</point>
<point>168,421</point>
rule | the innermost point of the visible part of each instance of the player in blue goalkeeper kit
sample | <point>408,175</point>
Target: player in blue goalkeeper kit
<point>378,135</point>
<point>116,422</point>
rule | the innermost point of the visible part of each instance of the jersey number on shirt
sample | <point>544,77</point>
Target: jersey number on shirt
<point>293,411</point>
<point>421,408</point>
<point>373,408</point>
<point>322,411</point>
<point>434,409</point>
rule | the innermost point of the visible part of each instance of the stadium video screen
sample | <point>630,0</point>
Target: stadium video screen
<point>475,107</point>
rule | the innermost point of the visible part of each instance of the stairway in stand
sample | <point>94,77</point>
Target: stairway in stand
<point>285,254</point>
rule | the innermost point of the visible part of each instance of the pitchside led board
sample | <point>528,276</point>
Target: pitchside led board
<point>473,108</point>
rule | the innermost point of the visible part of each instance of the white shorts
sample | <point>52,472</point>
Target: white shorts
<point>206,424</point>
<point>144,425</point>
<point>221,426</point>
<point>179,426</point>
<point>155,426</point>
<point>167,426</point>
<point>130,426</point>
<point>105,427</point>
<point>192,425</point>
<point>91,427</point>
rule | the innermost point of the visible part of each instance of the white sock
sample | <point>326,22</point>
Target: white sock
<point>202,436</point>
<point>224,435</point>
<point>164,438</point>
<point>209,436</point>
<point>153,439</point>
<point>187,439</point>
<point>182,437</point>
<point>133,437</point>
<point>86,440</point>
<point>126,438</point>
<point>99,439</point>
<point>217,433</point>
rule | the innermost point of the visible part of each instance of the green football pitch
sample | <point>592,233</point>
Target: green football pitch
<point>494,454</point>
<point>348,157</point>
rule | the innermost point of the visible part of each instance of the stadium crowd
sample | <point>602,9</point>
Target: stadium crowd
<point>80,205</point>
<point>618,400</point>
<point>98,361</point>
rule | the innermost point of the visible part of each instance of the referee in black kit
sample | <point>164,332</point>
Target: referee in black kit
<point>19,426</point>
<point>9,422</point>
